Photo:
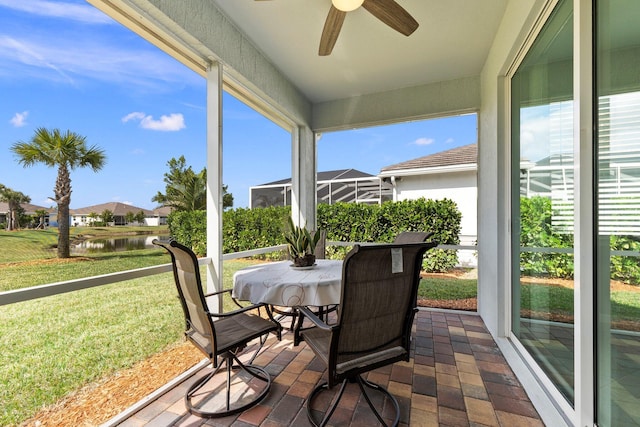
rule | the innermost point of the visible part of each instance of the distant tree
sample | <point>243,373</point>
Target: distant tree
<point>139,217</point>
<point>13,199</point>
<point>107,217</point>
<point>66,151</point>
<point>227,198</point>
<point>93,217</point>
<point>40,215</point>
<point>129,217</point>
<point>185,189</point>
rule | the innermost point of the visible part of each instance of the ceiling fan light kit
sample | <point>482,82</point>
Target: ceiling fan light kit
<point>347,5</point>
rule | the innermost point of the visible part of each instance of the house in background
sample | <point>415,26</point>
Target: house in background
<point>344,185</point>
<point>29,209</point>
<point>80,217</point>
<point>159,217</point>
<point>450,174</point>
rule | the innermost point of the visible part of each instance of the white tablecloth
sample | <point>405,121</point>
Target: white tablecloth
<point>278,283</point>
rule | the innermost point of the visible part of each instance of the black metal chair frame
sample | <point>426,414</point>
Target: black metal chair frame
<point>383,355</point>
<point>413,236</point>
<point>198,332</point>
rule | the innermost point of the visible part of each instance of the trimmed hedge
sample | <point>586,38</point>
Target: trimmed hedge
<point>536,231</point>
<point>245,229</point>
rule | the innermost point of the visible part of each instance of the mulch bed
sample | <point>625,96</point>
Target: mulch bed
<point>104,399</point>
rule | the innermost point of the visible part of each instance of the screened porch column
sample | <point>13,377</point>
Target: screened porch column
<point>214,180</point>
<point>303,170</point>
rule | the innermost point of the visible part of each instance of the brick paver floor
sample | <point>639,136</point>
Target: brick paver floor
<point>456,377</point>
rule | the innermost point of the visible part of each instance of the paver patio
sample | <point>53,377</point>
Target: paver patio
<point>456,377</point>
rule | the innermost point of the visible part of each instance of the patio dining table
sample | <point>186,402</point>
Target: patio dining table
<point>281,284</point>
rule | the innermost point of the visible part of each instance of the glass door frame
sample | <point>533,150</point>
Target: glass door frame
<point>583,413</point>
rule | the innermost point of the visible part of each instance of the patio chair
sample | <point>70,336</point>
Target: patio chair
<point>413,236</point>
<point>321,246</point>
<point>374,321</point>
<point>223,338</point>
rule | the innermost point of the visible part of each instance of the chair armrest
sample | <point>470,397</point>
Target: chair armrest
<point>305,311</point>
<point>235,301</point>
<point>210,294</point>
<point>239,310</point>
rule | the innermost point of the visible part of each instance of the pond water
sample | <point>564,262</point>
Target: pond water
<point>115,244</point>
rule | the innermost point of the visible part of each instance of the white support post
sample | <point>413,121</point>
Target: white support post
<point>214,182</point>
<point>583,212</point>
<point>303,172</point>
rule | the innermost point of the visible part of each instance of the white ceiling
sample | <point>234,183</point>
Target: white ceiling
<point>452,41</point>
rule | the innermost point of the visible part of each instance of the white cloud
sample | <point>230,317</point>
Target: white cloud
<point>449,141</point>
<point>25,54</point>
<point>136,115</point>
<point>105,59</point>
<point>20,119</point>
<point>424,141</point>
<point>58,9</point>
<point>172,122</point>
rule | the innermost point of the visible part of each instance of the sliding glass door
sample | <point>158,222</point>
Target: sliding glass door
<point>618,212</point>
<point>542,207</point>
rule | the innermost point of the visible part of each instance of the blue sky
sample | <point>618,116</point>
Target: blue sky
<point>66,65</point>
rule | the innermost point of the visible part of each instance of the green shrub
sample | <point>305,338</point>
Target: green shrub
<point>350,222</point>
<point>190,229</point>
<point>537,231</point>
<point>245,229</point>
<point>625,268</point>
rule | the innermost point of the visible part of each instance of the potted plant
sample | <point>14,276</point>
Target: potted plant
<point>302,244</point>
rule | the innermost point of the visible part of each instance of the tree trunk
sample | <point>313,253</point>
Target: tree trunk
<point>12,222</point>
<point>63,198</point>
<point>63,230</point>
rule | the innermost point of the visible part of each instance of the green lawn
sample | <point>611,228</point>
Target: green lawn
<point>447,288</point>
<point>55,345</point>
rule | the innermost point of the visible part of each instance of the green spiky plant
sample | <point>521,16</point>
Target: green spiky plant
<point>302,243</point>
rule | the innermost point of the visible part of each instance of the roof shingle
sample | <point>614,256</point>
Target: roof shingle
<point>467,154</point>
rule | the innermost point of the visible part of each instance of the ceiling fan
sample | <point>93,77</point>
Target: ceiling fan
<point>388,11</point>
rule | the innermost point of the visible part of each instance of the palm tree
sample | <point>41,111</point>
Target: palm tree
<point>40,216</point>
<point>92,217</point>
<point>13,199</point>
<point>66,151</point>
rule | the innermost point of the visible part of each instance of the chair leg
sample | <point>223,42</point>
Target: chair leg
<point>332,407</point>
<point>362,383</point>
<point>229,359</point>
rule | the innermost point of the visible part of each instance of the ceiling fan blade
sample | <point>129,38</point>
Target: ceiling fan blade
<point>331,30</point>
<point>392,14</point>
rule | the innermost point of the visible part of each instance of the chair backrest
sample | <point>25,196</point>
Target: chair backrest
<point>378,301</point>
<point>321,246</point>
<point>199,327</point>
<point>412,236</point>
